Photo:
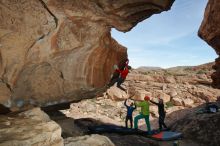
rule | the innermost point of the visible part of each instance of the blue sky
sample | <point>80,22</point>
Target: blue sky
<point>168,39</point>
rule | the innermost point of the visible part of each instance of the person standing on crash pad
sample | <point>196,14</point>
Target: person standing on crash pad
<point>161,113</point>
<point>130,109</point>
<point>144,114</point>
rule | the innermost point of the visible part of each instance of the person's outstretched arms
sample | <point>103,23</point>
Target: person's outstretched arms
<point>135,106</point>
<point>131,96</point>
<point>125,102</point>
<point>154,102</point>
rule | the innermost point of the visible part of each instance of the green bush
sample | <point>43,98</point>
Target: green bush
<point>169,104</point>
<point>201,72</point>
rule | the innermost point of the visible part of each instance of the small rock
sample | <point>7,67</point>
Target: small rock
<point>177,101</point>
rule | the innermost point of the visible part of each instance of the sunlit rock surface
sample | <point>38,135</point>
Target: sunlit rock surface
<point>210,32</point>
<point>54,50</point>
<point>32,127</point>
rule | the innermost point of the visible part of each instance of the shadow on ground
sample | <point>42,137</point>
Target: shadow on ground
<point>78,127</point>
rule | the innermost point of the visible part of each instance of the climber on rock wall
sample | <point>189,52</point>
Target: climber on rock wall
<point>115,76</point>
<point>121,79</point>
<point>120,74</point>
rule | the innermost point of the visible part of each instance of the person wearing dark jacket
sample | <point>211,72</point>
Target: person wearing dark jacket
<point>115,76</point>
<point>120,73</point>
<point>121,79</point>
<point>130,109</point>
<point>161,112</point>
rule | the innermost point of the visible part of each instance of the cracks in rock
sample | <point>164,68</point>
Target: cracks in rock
<point>63,81</point>
<point>29,48</point>
<point>45,6</point>
<point>61,75</point>
<point>38,39</point>
<point>41,37</point>
<point>9,87</point>
<point>44,35</point>
<point>7,84</point>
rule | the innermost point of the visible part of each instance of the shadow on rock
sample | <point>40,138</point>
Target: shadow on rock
<point>4,110</point>
<point>199,127</point>
<point>70,127</point>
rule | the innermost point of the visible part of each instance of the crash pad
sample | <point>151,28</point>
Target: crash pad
<point>155,134</point>
<point>166,135</point>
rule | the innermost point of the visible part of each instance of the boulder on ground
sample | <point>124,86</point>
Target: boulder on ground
<point>115,93</point>
<point>88,140</point>
<point>188,102</point>
<point>140,94</point>
<point>177,101</point>
<point>32,127</point>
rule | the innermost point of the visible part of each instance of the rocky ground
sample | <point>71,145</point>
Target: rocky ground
<point>184,90</point>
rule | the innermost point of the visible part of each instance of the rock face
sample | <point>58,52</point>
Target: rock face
<point>190,86</point>
<point>88,140</point>
<point>203,128</point>
<point>32,127</point>
<point>53,49</point>
<point>210,32</point>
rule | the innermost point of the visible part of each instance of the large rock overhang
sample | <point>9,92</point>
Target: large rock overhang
<point>209,31</point>
<point>53,51</point>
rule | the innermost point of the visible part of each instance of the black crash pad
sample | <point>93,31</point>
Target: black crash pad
<point>155,134</point>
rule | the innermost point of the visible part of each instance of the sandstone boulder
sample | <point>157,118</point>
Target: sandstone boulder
<point>188,102</point>
<point>210,32</point>
<point>177,101</point>
<point>88,140</point>
<point>162,95</point>
<point>53,49</point>
<point>173,93</point>
<point>169,79</point>
<point>32,127</point>
<point>140,94</point>
<point>203,128</point>
<point>116,94</point>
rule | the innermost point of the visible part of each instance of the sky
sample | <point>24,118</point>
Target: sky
<point>168,39</point>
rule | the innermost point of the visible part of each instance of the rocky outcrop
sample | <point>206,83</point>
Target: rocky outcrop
<point>55,50</point>
<point>203,128</point>
<point>88,140</point>
<point>190,86</point>
<point>32,127</point>
<point>210,32</point>
<point>116,94</point>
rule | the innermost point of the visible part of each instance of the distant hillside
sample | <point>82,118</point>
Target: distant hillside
<point>179,70</point>
<point>147,68</point>
<point>206,66</point>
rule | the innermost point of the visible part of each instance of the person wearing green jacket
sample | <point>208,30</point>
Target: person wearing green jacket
<point>144,114</point>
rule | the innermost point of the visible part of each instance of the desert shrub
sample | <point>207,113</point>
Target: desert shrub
<point>169,104</point>
<point>145,73</point>
<point>201,72</point>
